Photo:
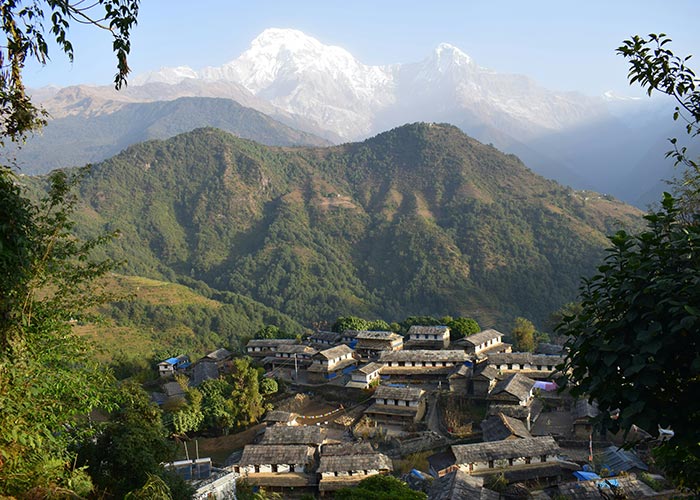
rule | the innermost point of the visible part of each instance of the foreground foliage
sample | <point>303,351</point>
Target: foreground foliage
<point>635,340</point>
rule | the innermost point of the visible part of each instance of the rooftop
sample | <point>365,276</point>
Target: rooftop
<point>334,352</point>
<point>454,356</point>
<point>428,330</point>
<point>400,393</point>
<point>499,358</point>
<point>219,355</point>
<point>459,484</point>
<point>511,448</point>
<point>261,454</point>
<point>517,385</point>
<point>377,335</point>
<point>500,426</point>
<point>370,367</point>
<point>269,342</point>
<point>483,336</point>
<point>366,461</point>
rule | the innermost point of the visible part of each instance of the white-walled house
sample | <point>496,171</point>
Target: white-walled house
<point>397,405</point>
<point>327,364</point>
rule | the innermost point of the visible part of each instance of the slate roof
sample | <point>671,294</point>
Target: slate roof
<point>400,411</point>
<point>428,330</point>
<point>370,367</point>
<point>483,336</point>
<point>218,355</point>
<point>500,426</point>
<point>366,461</point>
<point>500,358</point>
<point>460,485</point>
<point>420,355</point>
<point>377,335</point>
<point>325,336</point>
<point>517,385</point>
<point>300,434</point>
<point>354,448</point>
<point>401,393</point>
<point>334,352</point>
<point>295,348</point>
<point>261,454</point>
<point>512,448</point>
<point>489,372</point>
<point>204,371</point>
<point>267,343</point>
<point>461,371</point>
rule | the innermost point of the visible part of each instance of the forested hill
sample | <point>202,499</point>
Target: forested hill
<point>418,220</point>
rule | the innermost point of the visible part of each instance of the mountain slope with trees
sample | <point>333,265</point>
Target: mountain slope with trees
<point>418,220</point>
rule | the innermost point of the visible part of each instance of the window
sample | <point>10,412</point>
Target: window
<point>490,464</point>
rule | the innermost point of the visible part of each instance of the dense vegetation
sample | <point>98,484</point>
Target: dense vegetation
<point>418,220</point>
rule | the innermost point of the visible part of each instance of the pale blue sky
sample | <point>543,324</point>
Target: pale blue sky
<point>563,45</point>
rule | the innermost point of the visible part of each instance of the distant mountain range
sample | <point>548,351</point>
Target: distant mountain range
<point>607,143</point>
<point>418,220</point>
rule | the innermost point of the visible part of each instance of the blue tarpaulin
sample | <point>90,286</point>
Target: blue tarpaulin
<point>585,476</point>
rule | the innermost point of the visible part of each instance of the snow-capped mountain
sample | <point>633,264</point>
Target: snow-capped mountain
<point>576,139</point>
<point>326,84</point>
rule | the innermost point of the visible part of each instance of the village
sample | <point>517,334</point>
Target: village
<point>468,418</point>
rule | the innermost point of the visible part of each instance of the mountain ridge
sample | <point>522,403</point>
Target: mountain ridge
<point>418,220</point>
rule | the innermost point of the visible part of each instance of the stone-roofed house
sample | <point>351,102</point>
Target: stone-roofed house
<point>527,363</point>
<point>422,363</point>
<point>291,357</point>
<point>324,339</point>
<point>218,356</point>
<point>310,435</point>
<point>276,466</point>
<point>327,364</point>
<point>516,389</point>
<point>460,379</point>
<point>365,375</point>
<point>210,366</point>
<point>484,380</point>
<point>487,458</point>
<point>344,465</point>
<point>427,337</point>
<point>500,427</point>
<point>371,343</point>
<point>397,405</point>
<point>349,337</point>
<point>485,341</point>
<point>460,485</point>
<point>261,348</point>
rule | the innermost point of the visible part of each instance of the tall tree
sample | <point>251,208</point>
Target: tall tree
<point>635,342</point>
<point>48,382</point>
<point>524,335</point>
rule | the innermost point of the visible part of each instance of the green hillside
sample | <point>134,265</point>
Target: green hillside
<point>164,318</point>
<point>418,220</point>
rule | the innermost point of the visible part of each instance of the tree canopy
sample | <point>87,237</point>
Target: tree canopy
<point>634,343</point>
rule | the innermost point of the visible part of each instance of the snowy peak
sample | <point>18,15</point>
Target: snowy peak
<point>446,56</point>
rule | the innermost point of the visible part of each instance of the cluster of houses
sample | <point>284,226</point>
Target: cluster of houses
<point>526,418</point>
<point>304,457</point>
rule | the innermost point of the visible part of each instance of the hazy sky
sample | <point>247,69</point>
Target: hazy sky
<point>564,45</point>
